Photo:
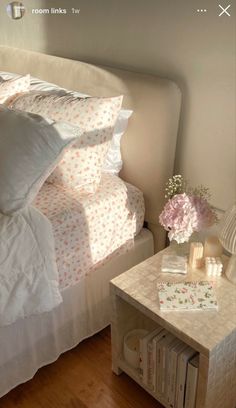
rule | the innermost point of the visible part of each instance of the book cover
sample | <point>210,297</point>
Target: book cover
<point>152,359</point>
<point>170,347</point>
<point>165,364</point>
<point>168,366</point>
<point>174,355</point>
<point>162,343</point>
<point>157,358</point>
<point>186,295</point>
<point>147,367</point>
<point>183,359</point>
<point>191,382</point>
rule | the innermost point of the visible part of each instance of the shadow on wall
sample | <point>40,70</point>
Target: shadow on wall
<point>113,34</point>
<point>166,39</point>
<point>120,34</point>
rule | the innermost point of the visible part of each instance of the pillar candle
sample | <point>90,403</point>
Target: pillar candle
<point>131,347</point>
<point>212,247</point>
<point>214,266</point>
<point>196,255</point>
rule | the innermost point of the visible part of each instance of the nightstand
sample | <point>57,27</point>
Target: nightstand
<point>211,333</point>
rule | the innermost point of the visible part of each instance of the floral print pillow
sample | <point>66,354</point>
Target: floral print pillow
<point>81,166</point>
<point>11,88</point>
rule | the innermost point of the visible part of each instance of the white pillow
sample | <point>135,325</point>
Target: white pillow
<point>30,148</point>
<point>12,87</point>
<point>113,161</point>
<point>82,164</point>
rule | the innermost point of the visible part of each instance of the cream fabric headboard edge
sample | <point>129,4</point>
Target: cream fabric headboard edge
<point>148,146</point>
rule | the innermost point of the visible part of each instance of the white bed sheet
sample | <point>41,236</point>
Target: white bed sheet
<point>36,341</point>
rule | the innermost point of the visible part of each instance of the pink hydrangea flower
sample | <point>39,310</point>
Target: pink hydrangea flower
<point>205,216</point>
<point>183,214</point>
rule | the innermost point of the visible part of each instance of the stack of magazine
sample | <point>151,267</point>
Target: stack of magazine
<point>169,368</point>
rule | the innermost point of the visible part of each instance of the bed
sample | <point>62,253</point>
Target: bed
<point>148,150</point>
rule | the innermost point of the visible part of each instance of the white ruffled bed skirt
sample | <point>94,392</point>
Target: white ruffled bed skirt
<point>31,343</point>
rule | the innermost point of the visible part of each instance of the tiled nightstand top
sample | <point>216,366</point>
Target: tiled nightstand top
<point>204,330</point>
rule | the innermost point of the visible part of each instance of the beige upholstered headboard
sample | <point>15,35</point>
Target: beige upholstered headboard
<point>148,147</point>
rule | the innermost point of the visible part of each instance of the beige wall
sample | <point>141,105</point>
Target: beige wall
<point>165,37</point>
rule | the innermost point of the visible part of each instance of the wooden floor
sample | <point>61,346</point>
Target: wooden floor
<point>80,378</point>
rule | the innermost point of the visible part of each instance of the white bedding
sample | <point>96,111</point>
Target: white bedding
<point>113,162</point>
<point>31,343</point>
<point>89,228</point>
<point>28,271</point>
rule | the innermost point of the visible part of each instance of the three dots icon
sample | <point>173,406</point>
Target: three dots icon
<point>201,10</point>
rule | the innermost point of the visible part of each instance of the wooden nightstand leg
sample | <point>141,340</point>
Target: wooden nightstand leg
<point>115,350</point>
<point>116,370</point>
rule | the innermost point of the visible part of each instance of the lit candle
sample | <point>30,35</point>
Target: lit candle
<point>212,247</point>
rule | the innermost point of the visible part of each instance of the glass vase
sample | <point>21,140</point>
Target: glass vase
<point>184,248</point>
<point>180,249</point>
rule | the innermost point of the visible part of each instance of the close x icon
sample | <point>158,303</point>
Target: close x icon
<point>224,10</point>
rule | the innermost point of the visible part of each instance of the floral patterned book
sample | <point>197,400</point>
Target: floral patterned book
<point>187,295</point>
